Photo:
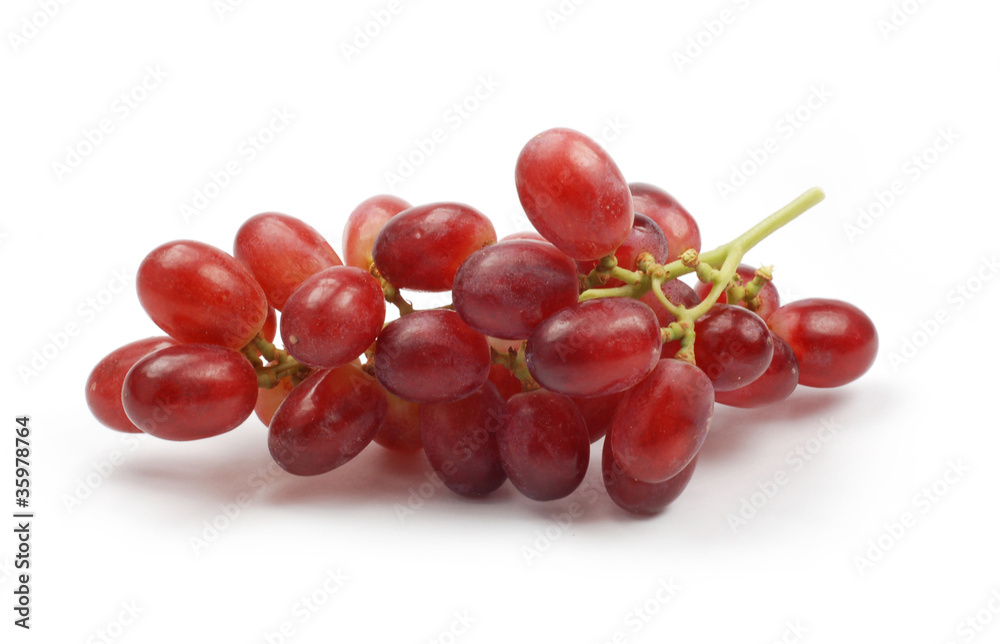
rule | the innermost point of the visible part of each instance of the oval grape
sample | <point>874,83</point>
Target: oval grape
<point>776,384</point>
<point>662,422</point>
<point>834,342</point>
<point>460,440</point>
<point>506,290</point>
<point>732,345</point>
<point>199,294</point>
<point>190,391</point>
<point>431,357</point>
<point>364,224</point>
<point>595,348</point>
<point>421,248</point>
<point>104,385</point>
<point>544,446</point>
<point>639,497</point>
<point>573,193</point>
<point>333,317</point>
<point>326,421</point>
<point>281,252</point>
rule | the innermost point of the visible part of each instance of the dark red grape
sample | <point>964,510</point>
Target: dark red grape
<point>645,237</point>
<point>599,412</point>
<point>595,347</point>
<point>544,445</point>
<point>459,438</point>
<point>639,497</point>
<point>431,357</point>
<point>677,224</point>
<point>400,431</point>
<point>777,383</point>
<point>769,298</point>
<point>326,421</point>
<point>281,252</point>
<point>104,385</point>
<point>506,290</point>
<point>834,342</point>
<point>333,317</point>
<point>190,391</point>
<point>573,193</point>
<point>662,422</point>
<point>421,248</point>
<point>363,226</point>
<point>197,293</point>
<point>732,345</point>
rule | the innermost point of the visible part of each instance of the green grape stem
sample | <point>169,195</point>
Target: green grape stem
<point>717,266</point>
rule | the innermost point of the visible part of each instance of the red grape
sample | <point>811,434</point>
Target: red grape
<point>431,357</point>
<point>104,385</point>
<point>769,298</point>
<point>573,193</point>
<point>459,438</point>
<point>544,445</point>
<point>270,328</point>
<point>732,345</point>
<point>326,421</point>
<point>268,400</point>
<point>678,226</point>
<point>197,293</point>
<point>363,226</point>
<point>190,391</point>
<point>599,412</point>
<point>333,317</point>
<point>595,347</point>
<point>506,290</point>
<point>281,252</point>
<point>834,342</point>
<point>645,237</point>
<point>637,496</point>
<point>776,384</point>
<point>505,381</point>
<point>421,248</point>
<point>400,431</point>
<point>662,422</point>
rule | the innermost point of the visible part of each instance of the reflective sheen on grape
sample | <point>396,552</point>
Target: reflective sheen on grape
<point>431,357</point>
<point>421,248</point>
<point>190,391</point>
<point>197,293</point>
<point>104,385</point>
<point>662,422</point>
<point>281,252</point>
<point>326,421</point>
<point>573,193</point>
<point>834,342</point>
<point>506,290</point>
<point>595,348</point>
<point>460,441</point>
<point>544,445</point>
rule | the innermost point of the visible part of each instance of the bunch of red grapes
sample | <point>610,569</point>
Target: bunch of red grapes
<point>554,340</point>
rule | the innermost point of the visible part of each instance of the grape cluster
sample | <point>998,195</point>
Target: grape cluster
<point>554,340</point>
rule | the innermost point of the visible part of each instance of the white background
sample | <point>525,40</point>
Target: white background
<point>815,562</point>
